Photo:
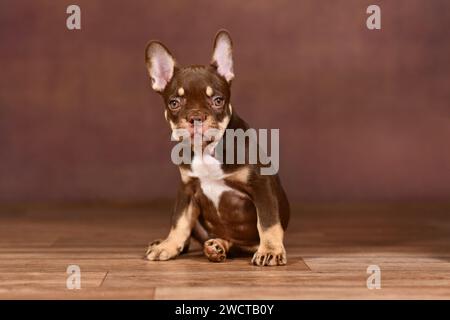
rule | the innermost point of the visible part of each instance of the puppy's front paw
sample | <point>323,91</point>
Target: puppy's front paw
<point>162,250</point>
<point>269,257</point>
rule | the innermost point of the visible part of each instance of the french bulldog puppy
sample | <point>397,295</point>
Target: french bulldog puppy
<point>227,207</point>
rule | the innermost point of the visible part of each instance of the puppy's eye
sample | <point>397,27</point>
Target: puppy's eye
<point>218,102</point>
<point>174,104</point>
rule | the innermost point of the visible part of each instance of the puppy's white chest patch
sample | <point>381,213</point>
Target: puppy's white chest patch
<point>208,170</point>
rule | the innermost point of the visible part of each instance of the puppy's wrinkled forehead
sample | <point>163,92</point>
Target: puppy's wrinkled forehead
<point>196,81</point>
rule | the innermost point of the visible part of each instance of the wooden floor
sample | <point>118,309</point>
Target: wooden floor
<point>329,249</point>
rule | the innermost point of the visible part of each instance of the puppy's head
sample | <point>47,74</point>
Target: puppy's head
<point>195,97</point>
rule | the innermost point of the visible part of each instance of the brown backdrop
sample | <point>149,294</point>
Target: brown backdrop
<point>363,115</point>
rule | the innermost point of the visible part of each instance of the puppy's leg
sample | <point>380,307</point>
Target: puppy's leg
<point>184,218</point>
<point>271,250</point>
<point>216,249</point>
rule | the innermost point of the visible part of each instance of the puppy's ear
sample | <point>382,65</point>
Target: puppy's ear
<point>222,57</point>
<point>160,64</point>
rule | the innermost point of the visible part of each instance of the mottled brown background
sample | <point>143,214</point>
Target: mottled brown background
<point>363,115</point>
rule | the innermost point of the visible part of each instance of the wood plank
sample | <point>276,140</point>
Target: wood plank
<point>298,292</point>
<point>82,294</point>
<point>44,279</point>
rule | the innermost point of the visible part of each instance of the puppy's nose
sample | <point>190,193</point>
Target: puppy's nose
<point>197,117</point>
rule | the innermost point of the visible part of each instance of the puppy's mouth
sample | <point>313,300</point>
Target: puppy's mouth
<point>198,129</point>
<point>204,131</point>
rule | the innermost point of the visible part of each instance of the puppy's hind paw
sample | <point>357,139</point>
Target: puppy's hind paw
<point>214,250</point>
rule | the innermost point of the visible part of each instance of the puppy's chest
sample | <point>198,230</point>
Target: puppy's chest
<point>211,176</point>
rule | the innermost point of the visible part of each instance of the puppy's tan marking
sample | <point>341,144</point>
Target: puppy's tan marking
<point>223,124</point>
<point>181,91</point>
<point>176,240</point>
<point>272,237</point>
<point>184,175</point>
<point>240,175</point>
<point>218,135</point>
<point>209,91</point>
<point>271,250</point>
